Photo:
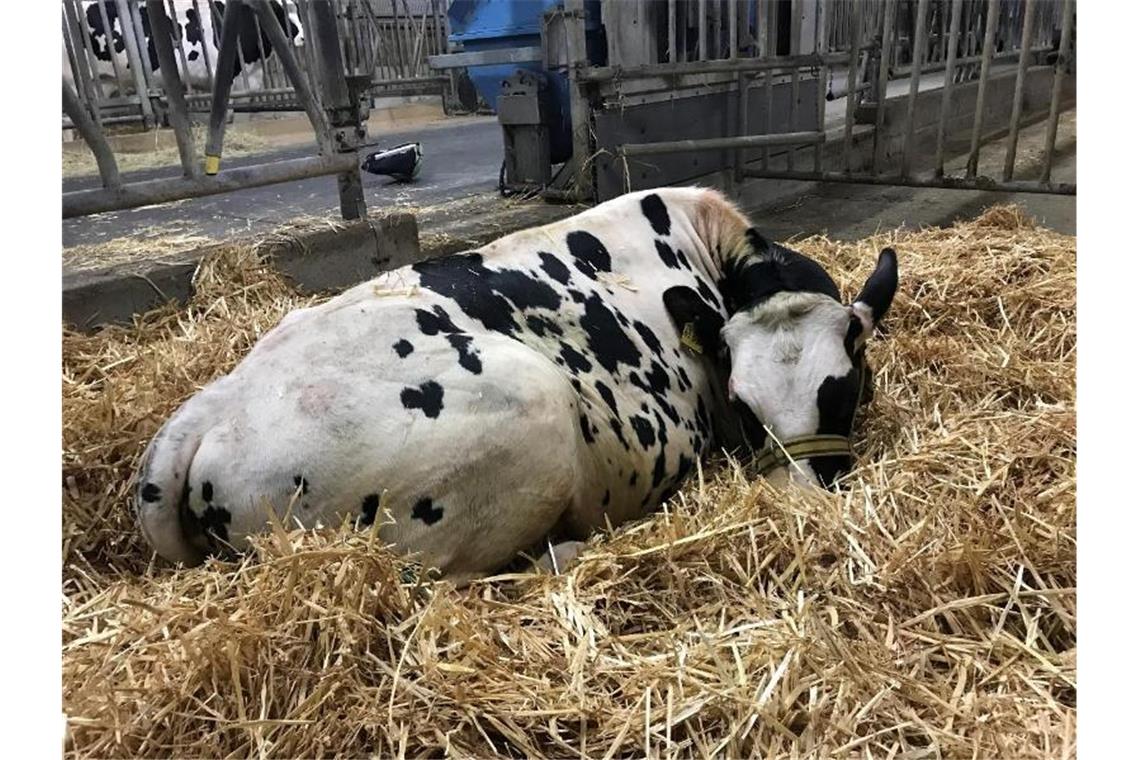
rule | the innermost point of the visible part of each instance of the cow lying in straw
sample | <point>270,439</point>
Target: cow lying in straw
<point>551,381</point>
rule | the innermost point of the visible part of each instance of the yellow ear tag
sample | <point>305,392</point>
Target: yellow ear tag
<point>689,339</point>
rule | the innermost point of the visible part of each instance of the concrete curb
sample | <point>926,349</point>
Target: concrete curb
<point>329,258</point>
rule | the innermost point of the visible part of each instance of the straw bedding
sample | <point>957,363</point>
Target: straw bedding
<point>927,611</point>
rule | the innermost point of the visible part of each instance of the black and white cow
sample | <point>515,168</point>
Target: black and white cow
<point>548,382</point>
<point>195,31</point>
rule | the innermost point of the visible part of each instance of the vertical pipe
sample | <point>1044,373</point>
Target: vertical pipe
<point>134,60</point>
<point>1055,100</point>
<point>732,38</point>
<point>163,37</point>
<point>947,86</point>
<point>884,75</point>
<point>575,26</point>
<point>205,47</point>
<point>797,28</point>
<point>702,31</point>
<point>85,46</point>
<point>176,30</point>
<point>1019,89</point>
<point>983,80</point>
<point>762,28</point>
<point>219,103</point>
<point>793,125</point>
<point>767,155</point>
<point>821,107</point>
<point>80,66</point>
<point>855,40</point>
<point>266,75</point>
<point>918,56</point>
<point>93,136</point>
<point>742,82</point>
<point>140,39</point>
<point>672,31</point>
<point>109,41</point>
<point>717,36</point>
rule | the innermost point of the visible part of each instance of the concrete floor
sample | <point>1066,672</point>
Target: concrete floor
<point>457,203</point>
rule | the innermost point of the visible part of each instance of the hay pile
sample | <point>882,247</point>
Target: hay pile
<point>928,611</point>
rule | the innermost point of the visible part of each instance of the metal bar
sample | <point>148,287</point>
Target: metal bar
<point>1019,90</point>
<point>918,52</point>
<point>783,63</point>
<point>821,107</point>
<point>720,143</point>
<point>732,38</point>
<point>949,183</point>
<point>855,30</point>
<point>796,32</point>
<point>485,57</point>
<point>109,41</point>
<point>205,47</point>
<point>93,136</point>
<point>884,74</point>
<point>672,31</point>
<point>135,194</point>
<point>176,30</point>
<point>574,23</point>
<point>742,83</point>
<point>983,80</point>
<point>1058,79</point>
<point>904,72</point>
<point>95,84</point>
<point>266,74</point>
<point>140,40</point>
<point>717,36</point>
<point>767,155</point>
<point>304,93</point>
<point>227,54</point>
<point>762,28</point>
<point>947,86</point>
<point>134,60</point>
<point>78,62</point>
<point>790,153</point>
<point>702,31</point>
<point>162,36</point>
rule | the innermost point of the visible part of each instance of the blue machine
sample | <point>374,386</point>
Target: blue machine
<point>496,24</point>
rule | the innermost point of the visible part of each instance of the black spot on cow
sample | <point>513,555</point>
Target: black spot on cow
<point>402,348</point>
<point>584,423</point>
<point>151,492</point>
<point>606,498</point>
<point>771,269</point>
<point>707,293</point>
<point>702,415</point>
<point>683,380</point>
<point>428,397</point>
<point>659,469</point>
<point>302,483</point>
<point>615,425</point>
<point>576,295</point>
<point>368,508</point>
<point>214,520</point>
<point>491,296</point>
<point>605,336</point>
<point>207,491</point>
<point>540,325</point>
<point>644,430</point>
<point>648,336</point>
<point>590,256</point>
<point>98,34</point>
<point>681,257</point>
<point>607,395</point>
<point>575,361</point>
<point>683,466</point>
<point>576,384</point>
<point>435,321</point>
<point>633,478</point>
<point>425,510</point>
<point>654,209</point>
<point>193,56</point>
<point>667,255</point>
<point>468,358</point>
<point>554,267</point>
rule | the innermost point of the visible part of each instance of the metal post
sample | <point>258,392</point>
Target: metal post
<point>344,111</point>
<point>983,80</point>
<point>140,41</point>
<point>205,47</point>
<point>855,29</point>
<point>766,157</point>
<point>702,31</point>
<point>762,28</point>
<point>672,31</point>
<point>821,107</point>
<point>93,136</point>
<point>732,38</point>
<point>281,44</point>
<point>719,143</point>
<point>1019,89</point>
<point>181,48</point>
<point>134,60</point>
<point>918,50</point>
<point>79,65</point>
<point>219,104</point>
<point>947,86</point>
<point>1058,78</point>
<point>884,75</point>
<point>575,25</point>
<point>109,41</point>
<point>83,57</point>
<point>162,36</point>
<point>742,82</point>
<point>794,111</point>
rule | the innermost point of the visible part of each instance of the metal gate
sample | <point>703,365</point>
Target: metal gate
<point>864,91</point>
<point>111,61</point>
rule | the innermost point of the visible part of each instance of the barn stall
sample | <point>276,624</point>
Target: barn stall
<point>927,610</point>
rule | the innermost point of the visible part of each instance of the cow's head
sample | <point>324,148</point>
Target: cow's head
<point>795,356</point>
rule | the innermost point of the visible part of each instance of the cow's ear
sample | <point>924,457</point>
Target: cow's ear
<point>697,323</point>
<point>878,291</point>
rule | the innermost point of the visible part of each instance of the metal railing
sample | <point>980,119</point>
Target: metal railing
<point>852,49</point>
<point>109,53</point>
<point>323,77</point>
